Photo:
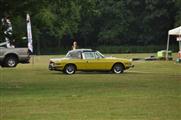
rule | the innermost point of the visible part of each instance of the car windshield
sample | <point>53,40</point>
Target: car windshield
<point>99,55</point>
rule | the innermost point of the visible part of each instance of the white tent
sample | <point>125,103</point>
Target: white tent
<point>175,31</point>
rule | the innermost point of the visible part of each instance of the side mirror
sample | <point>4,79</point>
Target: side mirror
<point>97,58</point>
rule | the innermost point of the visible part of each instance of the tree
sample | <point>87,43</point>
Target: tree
<point>178,14</point>
<point>89,23</point>
<point>93,23</point>
<point>114,22</point>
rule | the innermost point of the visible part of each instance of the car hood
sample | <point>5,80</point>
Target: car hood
<point>58,59</point>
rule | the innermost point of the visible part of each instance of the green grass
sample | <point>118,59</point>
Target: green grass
<point>150,91</point>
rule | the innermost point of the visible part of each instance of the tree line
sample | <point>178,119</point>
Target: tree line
<point>93,23</point>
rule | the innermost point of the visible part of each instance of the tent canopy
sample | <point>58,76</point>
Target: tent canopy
<point>175,31</point>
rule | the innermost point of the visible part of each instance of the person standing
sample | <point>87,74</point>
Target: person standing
<point>74,46</point>
<point>8,32</point>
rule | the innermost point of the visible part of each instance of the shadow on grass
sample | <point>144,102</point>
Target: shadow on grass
<point>100,73</point>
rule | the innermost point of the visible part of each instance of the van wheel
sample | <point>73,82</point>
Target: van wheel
<point>11,61</point>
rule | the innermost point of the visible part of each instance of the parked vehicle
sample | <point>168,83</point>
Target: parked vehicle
<point>88,60</point>
<point>10,57</point>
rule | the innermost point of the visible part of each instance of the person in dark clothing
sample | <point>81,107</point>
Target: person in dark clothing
<point>8,32</point>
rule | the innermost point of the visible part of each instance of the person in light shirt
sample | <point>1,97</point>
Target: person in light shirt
<point>74,46</point>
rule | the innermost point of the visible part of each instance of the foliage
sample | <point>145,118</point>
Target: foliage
<point>93,22</point>
<point>135,48</point>
<point>178,16</point>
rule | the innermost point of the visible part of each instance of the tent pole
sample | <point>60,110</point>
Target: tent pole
<point>180,40</point>
<point>168,39</point>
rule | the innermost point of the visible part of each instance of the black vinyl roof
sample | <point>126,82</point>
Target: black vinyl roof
<point>82,50</point>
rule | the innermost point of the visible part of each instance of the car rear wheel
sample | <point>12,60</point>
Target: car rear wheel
<point>70,69</point>
<point>118,68</point>
<point>11,61</point>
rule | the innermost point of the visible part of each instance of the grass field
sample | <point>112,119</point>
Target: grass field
<point>150,91</point>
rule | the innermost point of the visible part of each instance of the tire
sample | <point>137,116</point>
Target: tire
<point>118,68</point>
<point>11,61</point>
<point>70,69</point>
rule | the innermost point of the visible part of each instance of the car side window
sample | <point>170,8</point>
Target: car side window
<point>89,55</point>
<point>74,55</point>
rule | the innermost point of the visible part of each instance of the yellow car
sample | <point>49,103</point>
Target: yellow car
<point>88,60</point>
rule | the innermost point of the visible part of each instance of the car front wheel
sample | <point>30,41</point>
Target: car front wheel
<point>118,68</point>
<point>70,69</point>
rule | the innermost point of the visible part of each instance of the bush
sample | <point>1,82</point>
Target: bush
<point>134,49</point>
<point>110,49</point>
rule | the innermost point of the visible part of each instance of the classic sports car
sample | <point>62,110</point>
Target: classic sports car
<point>88,60</point>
